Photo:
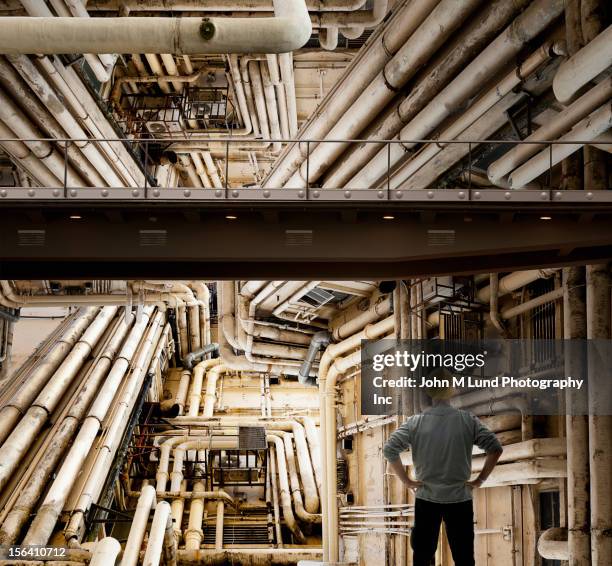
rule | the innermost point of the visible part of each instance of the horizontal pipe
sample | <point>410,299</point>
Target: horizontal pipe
<point>288,31</point>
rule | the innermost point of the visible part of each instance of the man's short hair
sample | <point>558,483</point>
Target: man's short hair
<point>440,393</point>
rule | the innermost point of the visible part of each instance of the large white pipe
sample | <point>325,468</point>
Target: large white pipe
<point>105,455</point>
<point>29,494</point>
<point>44,369</point>
<point>591,127</point>
<point>217,5</point>
<point>194,534</point>
<point>290,29</point>
<point>105,552</point>
<point>427,38</point>
<point>593,59</point>
<point>551,130</point>
<point>52,505</point>
<point>24,434</point>
<point>515,281</point>
<point>146,503</point>
<point>155,546</point>
<point>271,105</point>
<point>505,47</point>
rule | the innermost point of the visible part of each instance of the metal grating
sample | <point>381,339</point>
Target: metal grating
<point>31,238</point>
<point>251,438</point>
<point>239,534</point>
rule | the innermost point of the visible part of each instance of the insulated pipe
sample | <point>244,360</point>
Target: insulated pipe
<point>295,482</point>
<point>312,434</point>
<point>506,46</point>
<point>193,534</point>
<point>254,72</point>
<point>271,105</point>
<point>51,507</point>
<point>107,449</point>
<point>591,127</point>
<point>515,281</point>
<point>290,29</point>
<point>79,99</point>
<point>329,365</point>
<point>43,370</point>
<point>38,9</point>
<point>319,340</point>
<point>155,546</point>
<point>20,124</point>
<point>212,170</point>
<point>429,36</point>
<point>170,64</point>
<point>328,38</point>
<point>363,69</point>
<point>553,544</point>
<point>24,434</point>
<point>494,304</point>
<point>195,394</point>
<point>44,91</point>
<point>527,306</point>
<point>146,503</point>
<point>219,525</point>
<point>188,167</point>
<point>192,357</point>
<point>217,5</point>
<point>28,161</point>
<point>30,493</point>
<point>281,95</point>
<point>474,113</point>
<point>592,60</point>
<point>252,556</point>
<point>180,399</point>
<point>467,44</point>
<point>240,94</point>
<point>285,61</point>
<point>49,125</point>
<point>284,491</point>
<point>105,552</point>
<point>200,169</point>
<point>550,130</point>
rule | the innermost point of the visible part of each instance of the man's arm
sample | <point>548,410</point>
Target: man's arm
<point>487,441</point>
<point>398,442</point>
<point>400,472</point>
<point>489,464</point>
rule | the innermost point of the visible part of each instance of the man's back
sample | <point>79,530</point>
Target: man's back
<point>441,441</point>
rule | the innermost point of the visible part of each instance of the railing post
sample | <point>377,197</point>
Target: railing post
<point>550,164</point>
<point>226,166</point>
<point>470,165</point>
<point>146,168</point>
<point>389,170</point>
<point>308,165</point>
<point>66,142</point>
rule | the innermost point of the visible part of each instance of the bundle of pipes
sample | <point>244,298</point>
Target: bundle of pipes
<point>450,79</point>
<point>107,356</point>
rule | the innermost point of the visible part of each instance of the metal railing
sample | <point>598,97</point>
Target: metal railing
<point>149,151</point>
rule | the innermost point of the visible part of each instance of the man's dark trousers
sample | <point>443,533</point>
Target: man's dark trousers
<point>459,522</point>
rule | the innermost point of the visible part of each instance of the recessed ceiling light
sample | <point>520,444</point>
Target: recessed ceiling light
<point>388,217</point>
<point>75,217</point>
<point>231,217</point>
<point>545,217</point>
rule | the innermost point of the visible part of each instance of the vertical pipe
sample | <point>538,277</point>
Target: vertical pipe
<point>574,327</point>
<point>219,526</point>
<point>155,545</point>
<point>146,502</point>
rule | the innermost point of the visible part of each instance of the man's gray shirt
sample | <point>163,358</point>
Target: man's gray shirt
<point>441,441</point>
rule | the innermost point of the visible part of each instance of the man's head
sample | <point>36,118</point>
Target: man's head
<point>440,393</point>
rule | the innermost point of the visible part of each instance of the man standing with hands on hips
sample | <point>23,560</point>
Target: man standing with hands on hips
<point>441,441</point>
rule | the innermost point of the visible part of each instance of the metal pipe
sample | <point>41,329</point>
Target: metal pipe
<point>319,340</point>
<point>290,29</point>
<point>582,67</point>
<point>105,552</point>
<point>155,546</point>
<point>146,503</point>
<point>24,434</point>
